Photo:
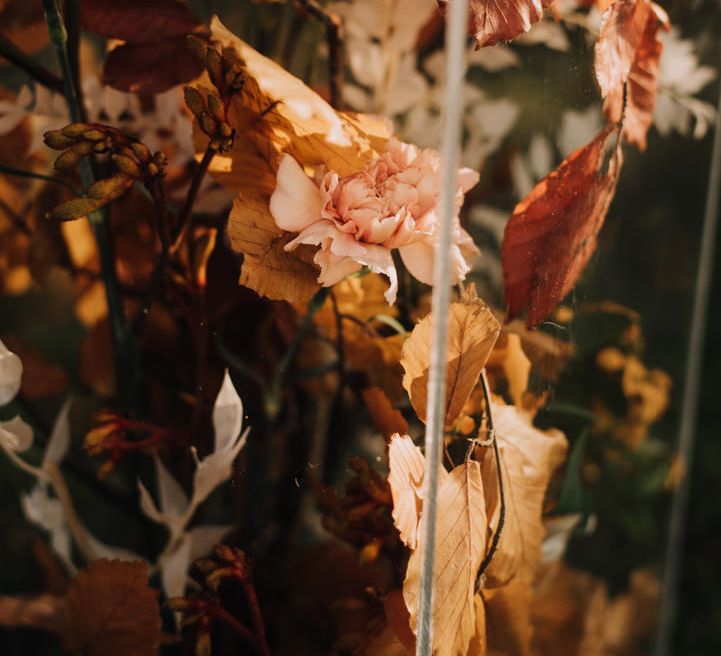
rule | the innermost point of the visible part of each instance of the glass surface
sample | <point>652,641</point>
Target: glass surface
<point>187,381</point>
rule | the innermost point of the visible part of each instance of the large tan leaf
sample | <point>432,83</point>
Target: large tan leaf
<point>277,113</point>
<point>112,611</point>
<point>528,458</point>
<point>472,332</point>
<point>460,547</point>
<point>386,419</point>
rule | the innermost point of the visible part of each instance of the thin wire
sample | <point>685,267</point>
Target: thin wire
<point>456,27</point>
<point>689,408</point>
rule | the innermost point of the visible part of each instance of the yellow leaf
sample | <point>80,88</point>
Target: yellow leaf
<point>460,548</point>
<point>472,332</point>
<point>112,611</point>
<point>528,458</point>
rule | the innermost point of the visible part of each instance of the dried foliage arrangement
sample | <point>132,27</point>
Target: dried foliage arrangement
<point>223,220</point>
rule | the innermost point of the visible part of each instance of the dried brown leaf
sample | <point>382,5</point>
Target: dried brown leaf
<point>460,548</point>
<point>628,52</point>
<point>385,417</point>
<point>508,618</point>
<point>472,332</point>
<point>112,611</point>
<point>528,457</point>
<point>553,232</point>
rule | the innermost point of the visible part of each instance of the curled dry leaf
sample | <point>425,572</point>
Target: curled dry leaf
<point>493,21</point>
<point>276,113</point>
<point>472,332</point>
<point>460,548</point>
<point>110,610</point>
<point>528,458</point>
<point>386,419</point>
<point>628,52</point>
<point>553,232</point>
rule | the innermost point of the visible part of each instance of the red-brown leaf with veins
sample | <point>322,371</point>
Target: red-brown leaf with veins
<point>552,233</point>
<point>628,52</point>
<point>492,21</point>
<point>138,21</point>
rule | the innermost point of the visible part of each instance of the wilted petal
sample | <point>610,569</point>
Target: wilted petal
<point>174,569</point>
<point>60,438</point>
<point>467,179</point>
<point>15,435</point>
<point>333,268</point>
<point>341,243</point>
<point>203,538</point>
<point>11,371</point>
<point>379,260</point>
<point>147,505</point>
<point>418,258</point>
<point>227,414</point>
<point>296,201</point>
<point>212,470</point>
<point>173,500</point>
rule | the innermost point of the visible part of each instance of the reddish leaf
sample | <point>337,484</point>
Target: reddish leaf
<point>138,21</point>
<point>111,611</point>
<point>552,232</point>
<point>501,20</point>
<point>151,68</point>
<point>628,52</point>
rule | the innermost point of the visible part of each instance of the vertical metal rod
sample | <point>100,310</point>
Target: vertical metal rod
<point>456,27</point>
<point>689,408</point>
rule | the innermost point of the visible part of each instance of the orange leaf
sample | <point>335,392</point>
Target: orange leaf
<point>628,52</point>
<point>112,611</point>
<point>552,233</point>
<point>493,21</point>
<point>386,419</point>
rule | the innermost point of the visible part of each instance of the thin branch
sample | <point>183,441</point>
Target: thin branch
<point>16,219</point>
<point>21,173</point>
<point>224,616</point>
<point>333,34</point>
<point>184,220</point>
<point>36,71</point>
<point>501,491</point>
<point>257,616</point>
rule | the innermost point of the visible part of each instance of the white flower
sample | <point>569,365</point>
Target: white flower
<point>11,371</point>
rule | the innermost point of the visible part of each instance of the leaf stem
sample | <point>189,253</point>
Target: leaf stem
<point>36,71</point>
<point>184,220</point>
<point>21,173</point>
<point>126,357</point>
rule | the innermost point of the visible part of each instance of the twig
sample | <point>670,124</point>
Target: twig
<point>16,219</point>
<point>184,220</point>
<point>256,615</point>
<point>501,492</point>
<point>21,173</point>
<point>72,23</point>
<point>224,616</point>
<point>125,354</point>
<point>333,34</point>
<point>36,71</point>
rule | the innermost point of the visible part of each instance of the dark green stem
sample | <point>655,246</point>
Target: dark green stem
<point>36,71</point>
<point>125,354</point>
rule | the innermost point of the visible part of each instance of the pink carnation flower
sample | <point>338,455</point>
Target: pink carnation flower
<point>359,219</point>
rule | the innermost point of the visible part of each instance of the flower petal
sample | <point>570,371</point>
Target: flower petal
<point>340,243</point>
<point>11,371</point>
<point>418,258</point>
<point>467,179</point>
<point>379,260</point>
<point>296,201</point>
<point>333,268</point>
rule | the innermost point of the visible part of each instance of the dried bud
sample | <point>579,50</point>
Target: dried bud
<point>141,151</point>
<point>197,46</point>
<point>234,79</point>
<point>194,101</point>
<point>73,155</point>
<point>94,134</point>
<point>214,65</point>
<point>215,107</point>
<point>225,130</point>
<point>180,604</point>
<point>111,187</point>
<point>76,129</point>
<point>74,209</point>
<point>57,140</point>
<point>207,124</point>
<point>128,166</point>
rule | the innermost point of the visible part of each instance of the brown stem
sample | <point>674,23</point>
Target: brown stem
<point>184,220</point>
<point>257,616</point>
<point>224,616</point>
<point>17,220</point>
<point>333,33</point>
<point>36,71</point>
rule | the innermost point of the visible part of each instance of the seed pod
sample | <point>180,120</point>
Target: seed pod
<point>215,144</point>
<point>225,130</point>
<point>194,101</point>
<point>128,166</point>
<point>234,79</point>
<point>76,129</point>
<point>141,151</point>
<point>101,146</point>
<point>110,188</point>
<point>215,67</point>
<point>94,134</point>
<point>180,604</point>
<point>74,209</point>
<point>73,154</point>
<point>215,107</point>
<point>57,140</point>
